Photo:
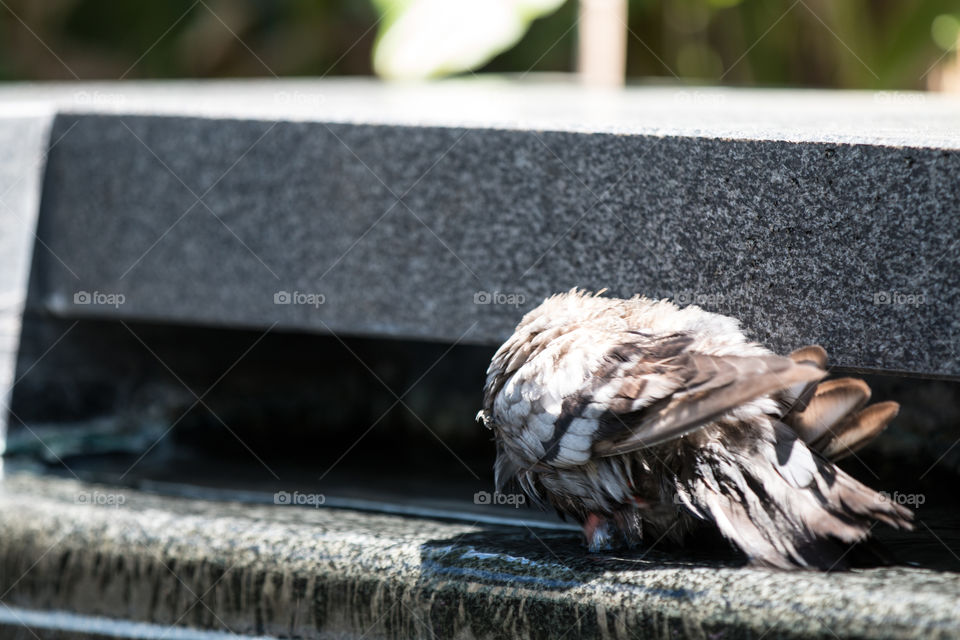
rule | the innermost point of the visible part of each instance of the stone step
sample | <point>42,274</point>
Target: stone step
<point>88,552</point>
<point>190,220</point>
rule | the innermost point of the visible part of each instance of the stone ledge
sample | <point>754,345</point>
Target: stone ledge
<point>28,624</point>
<point>23,139</point>
<point>535,102</point>
<point>279,571</point>
<point>812,216</point>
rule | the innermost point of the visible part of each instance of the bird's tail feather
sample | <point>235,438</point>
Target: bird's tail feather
<point>830,416</point>
<point>783,504</point>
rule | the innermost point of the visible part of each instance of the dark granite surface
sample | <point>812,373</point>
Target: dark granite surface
<point>404,230</point>
<point>23,139</point>
<point>814,216</point>
<point>300,572</point>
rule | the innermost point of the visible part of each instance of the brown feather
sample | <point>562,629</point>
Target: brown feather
<point>797,397</point>
<point>775,519</point>
<point>812,354</point>
<point>738,380</point>
<point>831,403</point>
<point>858,430</point>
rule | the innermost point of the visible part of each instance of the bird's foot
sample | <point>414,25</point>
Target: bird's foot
<point>596,530</point>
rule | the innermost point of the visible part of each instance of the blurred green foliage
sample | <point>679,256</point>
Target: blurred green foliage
<point>419,39</point>
<point>870,44</point>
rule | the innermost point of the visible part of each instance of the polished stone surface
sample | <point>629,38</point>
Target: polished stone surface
<point>829,218</point>
<point>99,550</point>
<point>23,139</point>
<point>535,102</point>
<point>814,216</point>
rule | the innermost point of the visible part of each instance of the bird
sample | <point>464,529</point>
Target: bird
<point>637,417</point>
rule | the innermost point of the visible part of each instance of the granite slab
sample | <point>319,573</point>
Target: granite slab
<point>445,211</point>
<point>284,571</point>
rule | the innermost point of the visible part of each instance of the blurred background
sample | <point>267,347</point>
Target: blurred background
<point>855,44</point>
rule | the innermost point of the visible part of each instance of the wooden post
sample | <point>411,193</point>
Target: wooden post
<point>602,54</point>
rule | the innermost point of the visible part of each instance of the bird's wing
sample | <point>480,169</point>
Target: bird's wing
<point>661,390</point>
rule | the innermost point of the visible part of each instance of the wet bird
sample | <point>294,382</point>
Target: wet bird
<point>637,417</point>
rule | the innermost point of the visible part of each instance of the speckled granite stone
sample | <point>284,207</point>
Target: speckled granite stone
<point>814,217</point>
<point>295,572</point>
<point>23,139</point>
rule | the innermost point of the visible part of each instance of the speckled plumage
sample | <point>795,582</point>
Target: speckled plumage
<point>636,415</point>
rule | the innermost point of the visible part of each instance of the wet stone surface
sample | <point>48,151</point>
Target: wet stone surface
<point>298,572</point>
